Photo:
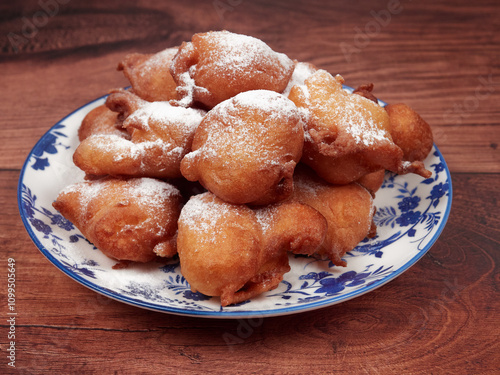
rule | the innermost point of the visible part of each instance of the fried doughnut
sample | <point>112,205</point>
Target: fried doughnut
<point>235,252</point>
<point>246,148</point>
<point>410,132</point>
<point>101,120</point>
<point>372,181</point>
<point>348,210</point>
<point>132,219</point>
<point>218,65</point>
<point>149,74</point>
<point>160,136</point>
<point>347,136</point>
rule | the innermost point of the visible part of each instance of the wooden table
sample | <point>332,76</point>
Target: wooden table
<point>440,57</point>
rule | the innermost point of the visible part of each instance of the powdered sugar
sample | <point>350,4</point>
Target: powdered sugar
<point>305,185</point>
<point>266,217</point>
<point>148,191</point>
<point>168,131</point>
<point>301,72</point>
<point>363,129</point>
<point>160,60</point>
<point>115,147</point>
<point>149,195</point>
<point>163,113</point>
<point>87,191</point>
<point>202,214</point>
<point>239,52</point>
<point>352,115</point>
<point>256,141</point>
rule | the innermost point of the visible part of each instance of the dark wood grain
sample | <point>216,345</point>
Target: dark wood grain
<point>441,57</point>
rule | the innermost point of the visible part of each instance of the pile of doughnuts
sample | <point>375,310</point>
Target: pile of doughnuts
<point>232,156</point>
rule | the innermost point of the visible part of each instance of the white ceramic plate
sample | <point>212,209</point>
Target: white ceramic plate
<point>411,213</point>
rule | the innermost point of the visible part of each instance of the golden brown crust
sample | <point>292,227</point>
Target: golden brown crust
<point>124,102</point>
<point>160,136</point>
<point>347,136</point>
<point>101,120</point>
<point>410,132</point>
<point>218,65</point>
<point>245,149</point>
<point>366,92</point>
<point>372,181</point>
<point>348,210</point>
<point>236,252</point>
<point>125,219</point>
<point>149,74</point>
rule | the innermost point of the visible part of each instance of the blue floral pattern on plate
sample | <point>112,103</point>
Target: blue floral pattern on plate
<point>411,213</point>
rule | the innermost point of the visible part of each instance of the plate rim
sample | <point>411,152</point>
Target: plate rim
<point>222,314</point>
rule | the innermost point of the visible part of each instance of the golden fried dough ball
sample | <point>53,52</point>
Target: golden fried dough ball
<point>348,210</point>
<point>219,246</point>
<point>410,132</point>
<point>347,136</point>
<point>234,252</point>
<point>101,120</point>
<point>150,76</point>
<point>372,181</point>
<point>217,65</point>
<point>246,148</point>
<point>132,219</point>
<point>160,136</point>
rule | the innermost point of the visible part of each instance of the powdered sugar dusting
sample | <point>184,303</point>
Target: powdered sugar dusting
<point>118,148</point>
<point>169,129</point>
<point>265,217</point>
<point>87,191</point>
<point>242,52</point>
<point>203,212</point>
<point>232,131</point>
<point>160,60</point>
<point>363,129</point>
<point>168,115</point>
<point>352,115</point>
<point>306,185</point>
<point>301,72</point>
<point>148,193</point>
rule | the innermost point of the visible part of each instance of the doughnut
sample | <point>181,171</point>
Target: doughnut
<point>246,148</point>
<point>160,136</point>
<point>410,132</point>
<point>134,220</point>
<point>149,74</point>
<point>235,252</point>
<point>217,65</point>
<point>346,136</point>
